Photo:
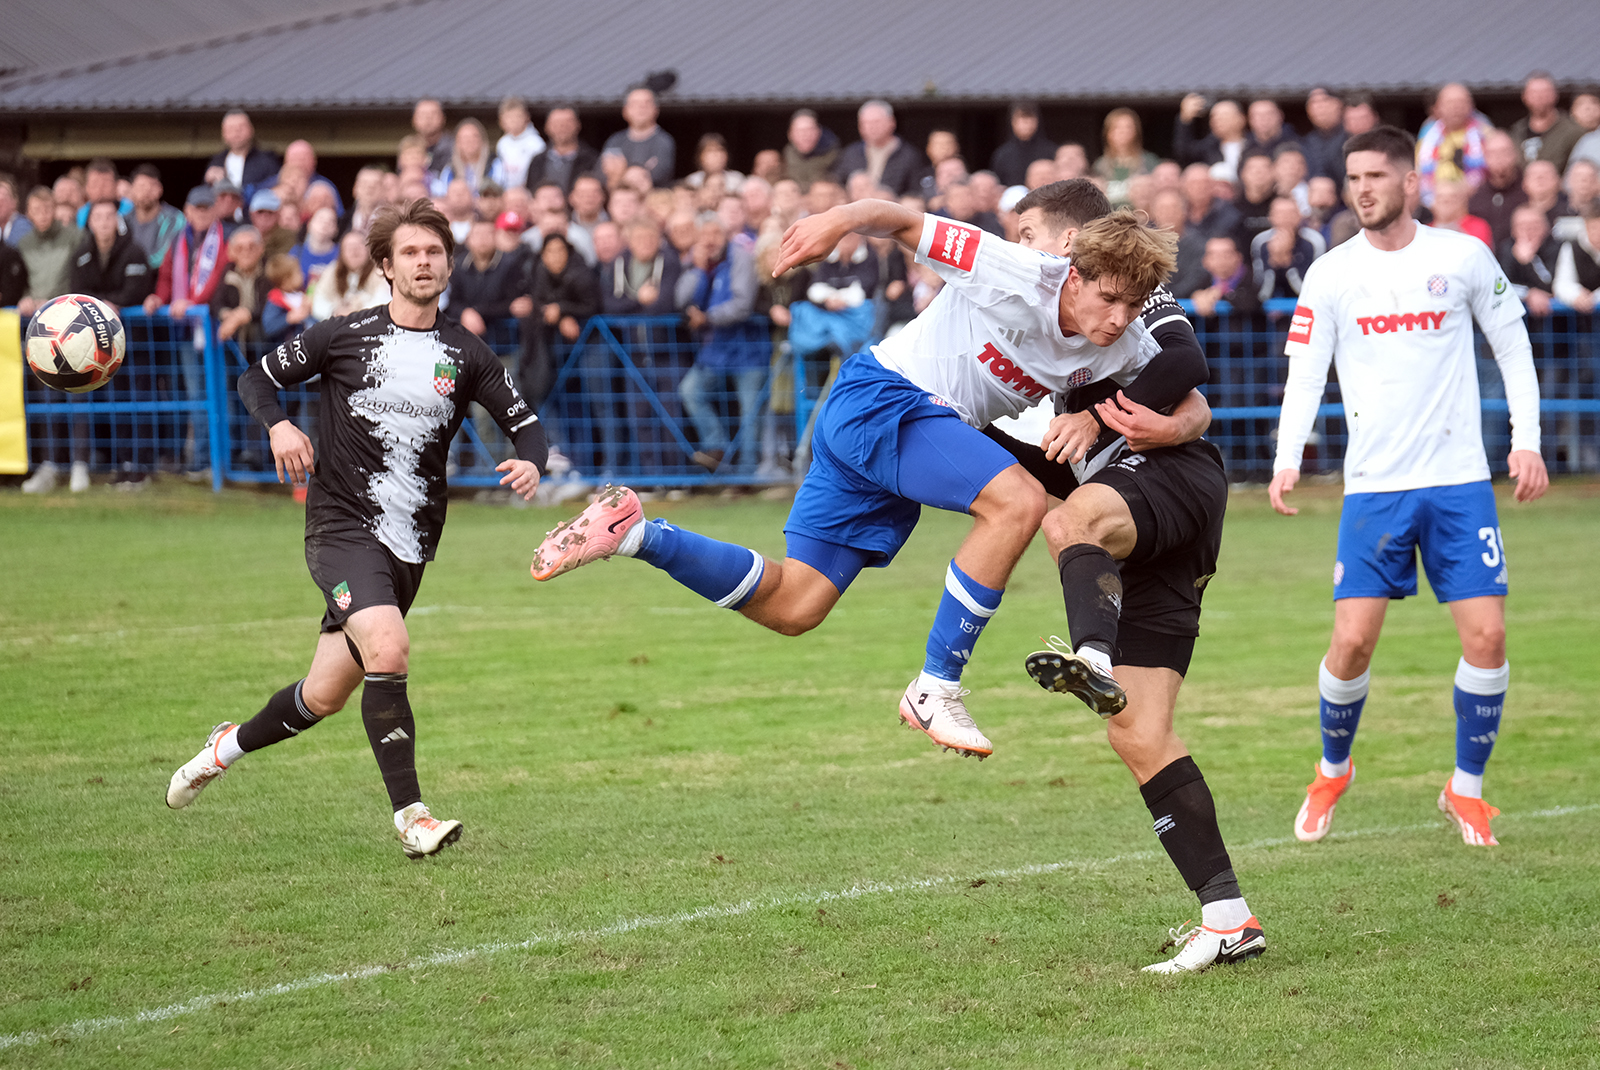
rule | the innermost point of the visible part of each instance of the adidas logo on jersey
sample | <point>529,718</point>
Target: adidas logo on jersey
<point>1014,335</point>
<point>1410,321</point>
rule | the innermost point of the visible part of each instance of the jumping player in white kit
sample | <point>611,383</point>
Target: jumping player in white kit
<point>900,430</point>
<point>1393,308</point>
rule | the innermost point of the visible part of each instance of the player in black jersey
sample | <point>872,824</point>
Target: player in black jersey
<point>1136,539</point>
<point>396,383</point>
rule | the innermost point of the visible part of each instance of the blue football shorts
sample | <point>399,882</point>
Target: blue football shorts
<point>1456,531</point>
<point>882,448</point>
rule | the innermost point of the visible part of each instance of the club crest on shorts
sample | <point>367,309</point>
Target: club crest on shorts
<point>1080,377</point>
<point>1438,285</point>
<point>444,379</point>
<point>341,595</point>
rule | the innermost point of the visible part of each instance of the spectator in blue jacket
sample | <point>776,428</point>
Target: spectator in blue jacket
<point>837,315</point>
<point>717,292</point>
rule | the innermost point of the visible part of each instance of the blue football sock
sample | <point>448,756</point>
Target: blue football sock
<point>1480,696</point>
<point>726,574</point>
<point>1341,703</point>
<point>964,609</point>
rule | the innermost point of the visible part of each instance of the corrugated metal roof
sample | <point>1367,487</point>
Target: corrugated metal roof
<point>51,34</point>
<point>472,52</point>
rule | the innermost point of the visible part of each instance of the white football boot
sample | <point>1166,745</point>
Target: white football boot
<point>423,834</point>
<point>942,715</point>
<point>43,480</point>
<point>79,481</point>
<point>1201,948</point>
<point>193,776</point>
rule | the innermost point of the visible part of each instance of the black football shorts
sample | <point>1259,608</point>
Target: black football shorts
<point>355,571</point>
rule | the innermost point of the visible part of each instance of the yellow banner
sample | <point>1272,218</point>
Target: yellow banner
<point>13,426</point>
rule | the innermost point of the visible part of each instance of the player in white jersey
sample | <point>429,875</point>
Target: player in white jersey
<point>900,430</point>
<point>1393,309</point>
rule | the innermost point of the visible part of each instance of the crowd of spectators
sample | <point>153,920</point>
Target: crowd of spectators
<point>552,230</point>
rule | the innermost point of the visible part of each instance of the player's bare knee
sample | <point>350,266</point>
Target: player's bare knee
<point>1013,500</point>
<point>1485,645</point>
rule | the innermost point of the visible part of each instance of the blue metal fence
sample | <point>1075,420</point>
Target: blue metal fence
<point>621,403</point>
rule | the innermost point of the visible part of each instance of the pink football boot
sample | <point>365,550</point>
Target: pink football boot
<point>592,535</point>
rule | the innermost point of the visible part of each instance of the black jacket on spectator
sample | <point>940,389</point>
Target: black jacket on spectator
<point>899,172</point>
<point>1324,152</point>
<point>547,167</point>
<point>124,278</point>
<point>1286,136</point>
<point>13,276</point>
<point>1253,219</point>
<point>577,291</point>
<point>891,269</point>
<point>1494,205</point>
<point>862,270</point>
<point>1010,161</point>
<point>1188,149</point>
<point>1245,295</point>
<point>1190,275</point>
<point>1537,274</point>
<point>617,300</point>
<point>1220,221</point>
<point>489,291</point>
<point>259,166</point>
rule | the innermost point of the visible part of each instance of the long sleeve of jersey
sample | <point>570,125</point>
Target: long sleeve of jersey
<point>1181,364</point>
<point>1310,351</point>
<point>295,361</point>
<point>1513,352</point>
<point>491,385</point>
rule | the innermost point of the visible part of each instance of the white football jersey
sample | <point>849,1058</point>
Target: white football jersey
<point>990,344</point>
<point>1398,327</point>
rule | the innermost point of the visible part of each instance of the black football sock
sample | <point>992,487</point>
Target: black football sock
<point>284,715</point>
<point>1186,822</point>
<point>392,730</point>
<point>1091,585</point>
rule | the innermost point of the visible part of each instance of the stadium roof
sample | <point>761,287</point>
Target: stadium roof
<point>292,54</point>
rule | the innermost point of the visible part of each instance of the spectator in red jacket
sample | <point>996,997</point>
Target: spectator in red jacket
<point>196,260</point>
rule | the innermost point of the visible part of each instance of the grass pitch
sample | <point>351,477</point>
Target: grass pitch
<point>691,842</point>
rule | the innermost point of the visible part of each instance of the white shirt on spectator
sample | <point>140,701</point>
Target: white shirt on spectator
<point>515,153</point>
<point>234,165</point>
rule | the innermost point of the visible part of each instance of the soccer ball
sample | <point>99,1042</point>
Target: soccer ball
<point>75,343</point>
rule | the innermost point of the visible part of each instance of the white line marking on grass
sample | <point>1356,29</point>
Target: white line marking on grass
<point>87,1026</point>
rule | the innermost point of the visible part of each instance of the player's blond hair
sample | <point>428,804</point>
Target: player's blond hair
<point>1121,247</point>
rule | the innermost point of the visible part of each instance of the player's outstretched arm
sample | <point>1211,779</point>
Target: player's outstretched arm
<point>814,237</point>
<point>1283,482</point>
<point>1146,429</point>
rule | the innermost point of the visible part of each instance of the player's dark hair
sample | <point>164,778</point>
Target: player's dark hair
<point>1392,141</point>
<point>146,170</point>
<point>390,218</point>
<point>102,165</point>
<point>1067,204</point>
<point>1024,107</point>
<point>1123,247</point>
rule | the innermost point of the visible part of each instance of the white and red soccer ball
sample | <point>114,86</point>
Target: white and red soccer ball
<point>75,343</point>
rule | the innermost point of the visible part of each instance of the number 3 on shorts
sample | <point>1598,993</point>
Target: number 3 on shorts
<point>1491,556</point>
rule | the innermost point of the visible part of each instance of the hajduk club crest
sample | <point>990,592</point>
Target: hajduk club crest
<point>444,379</point>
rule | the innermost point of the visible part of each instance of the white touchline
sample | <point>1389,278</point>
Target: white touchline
<point>86,1026</point>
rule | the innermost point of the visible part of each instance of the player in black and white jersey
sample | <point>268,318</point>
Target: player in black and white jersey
<point>396,383</point>
<point>1136,539</point>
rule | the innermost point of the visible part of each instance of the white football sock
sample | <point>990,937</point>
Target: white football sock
<point>1098,658</point>
<point>228,750</point>
<point>1224,915</point>
<point>935,686</point>
<point>1468,784</point>
<point>632,540</point>
<point>1330,769</point>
